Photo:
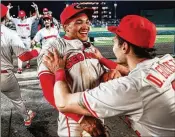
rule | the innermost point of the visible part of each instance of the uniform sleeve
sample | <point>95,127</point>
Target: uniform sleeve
<point>38,36</point>
<point>115,97</point>
<point>14,20</point>
<point>17,44</point>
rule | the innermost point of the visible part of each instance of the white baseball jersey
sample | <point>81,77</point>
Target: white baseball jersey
<point>82,72</point>
<point>146,95</point>
<point>10,43</point>
<point>46,35</point>
<point>23,27</point>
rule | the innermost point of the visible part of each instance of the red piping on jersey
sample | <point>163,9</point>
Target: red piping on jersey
<point>68,127</point>
<point>51,36</point>
<point>47,80</point>
<point>108,63</point>
<point>23,25</point>
<point>28,55</point>
<point>88,106</point>
<point>138,133</point>
<point>67,38</point>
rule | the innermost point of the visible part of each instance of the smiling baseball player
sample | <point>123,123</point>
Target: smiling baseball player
<point>146,95</point>
<point>47,34</point>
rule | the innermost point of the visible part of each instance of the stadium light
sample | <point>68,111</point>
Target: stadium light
<point>115,7</point>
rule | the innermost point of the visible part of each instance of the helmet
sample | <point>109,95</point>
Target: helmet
<point>21,14</point>
<point>4,10</point>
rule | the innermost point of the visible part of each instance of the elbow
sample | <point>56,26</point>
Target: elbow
<point>61,108</point>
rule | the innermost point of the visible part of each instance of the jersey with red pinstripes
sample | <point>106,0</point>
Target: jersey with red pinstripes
<point>82,72</point>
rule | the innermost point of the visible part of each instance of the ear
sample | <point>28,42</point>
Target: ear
<point>65,27</point>
<point>125,48</point>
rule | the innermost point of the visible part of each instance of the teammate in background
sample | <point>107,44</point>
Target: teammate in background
<point>56,24</point>
<point>11,44</point>
<point>76,24</point>
<point>146,95</point>
<point>23,28</point>
<point>47,34</point>
<point>41,21</point>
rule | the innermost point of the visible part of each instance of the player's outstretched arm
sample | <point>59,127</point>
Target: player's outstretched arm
<point>8,12</point>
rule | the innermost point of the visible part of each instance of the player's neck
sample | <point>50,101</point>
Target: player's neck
<point>132,61</point>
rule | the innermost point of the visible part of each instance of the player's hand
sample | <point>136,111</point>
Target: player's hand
<point>93,126</point>
<point>122,69</point>
<point>34,6</point>
<point>97,54</point>
<point>54,61</point>
<point>9,6</point>
<point>112,74</point>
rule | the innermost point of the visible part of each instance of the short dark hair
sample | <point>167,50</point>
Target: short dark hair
<point>3,18</point>
<point>139,51</point>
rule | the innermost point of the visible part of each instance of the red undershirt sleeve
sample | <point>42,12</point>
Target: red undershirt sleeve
<point>108,63</point>
<point>28,55</point>
<point>47,81</point>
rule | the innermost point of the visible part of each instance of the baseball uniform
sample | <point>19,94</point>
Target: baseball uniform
<point>46,35</point>
<point>146,96</point>
<point>82,72</point>
<point>23,28</point>
<point>11,43</point>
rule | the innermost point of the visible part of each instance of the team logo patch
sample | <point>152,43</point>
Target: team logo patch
<point>78,6</point>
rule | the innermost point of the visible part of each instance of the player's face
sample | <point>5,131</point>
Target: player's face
<point>78,28</point>
<point>47,22</point>
<point>118,51</point>
<point>45,13</point>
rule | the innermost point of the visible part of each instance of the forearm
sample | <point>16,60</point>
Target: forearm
<point>47,81</point>
<point>108,63</point>
<point>64,100</point>
<point>8,14</point>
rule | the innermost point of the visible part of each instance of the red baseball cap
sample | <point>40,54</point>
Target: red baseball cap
<point>136,30</point>
<point>45,10</point>
<point>21,14</point>
<point>47,17</point>
<point>74,9</point>
<point>4,10</point>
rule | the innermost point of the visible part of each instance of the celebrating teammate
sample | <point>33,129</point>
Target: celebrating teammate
<point>23,28</point>
<point>12,43</point>
<point>146,95</point>
<point>48,33</point>
<point>83,71</point>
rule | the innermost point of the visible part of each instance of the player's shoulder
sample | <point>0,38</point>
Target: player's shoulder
<point>6,31</point>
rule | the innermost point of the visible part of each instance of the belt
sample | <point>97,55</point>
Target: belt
<point>4,71</point>
<point>25,37</point>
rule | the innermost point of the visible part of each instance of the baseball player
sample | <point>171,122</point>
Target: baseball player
<point>23,28</point>
<point>11,44</point>
<point>41,21</point>
<point>76,23</point>
<point>146,95</point>
<point>46,34</point>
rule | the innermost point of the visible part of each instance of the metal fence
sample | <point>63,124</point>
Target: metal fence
<point>165,42</point>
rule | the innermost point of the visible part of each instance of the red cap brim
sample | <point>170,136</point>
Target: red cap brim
<point>112,29</point>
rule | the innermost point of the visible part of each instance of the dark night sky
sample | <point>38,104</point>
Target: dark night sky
<point>123,7</point>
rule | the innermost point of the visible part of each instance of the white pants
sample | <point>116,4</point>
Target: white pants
<point>10,88</point>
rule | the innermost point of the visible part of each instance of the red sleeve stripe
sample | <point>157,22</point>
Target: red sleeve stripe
<point>68,127</point>
<point>88,106</point>
<point>44,72</point>
<point>28,55</point>
<point>51,36</point>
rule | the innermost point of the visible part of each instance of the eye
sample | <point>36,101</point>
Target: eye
<point>78,22</point>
